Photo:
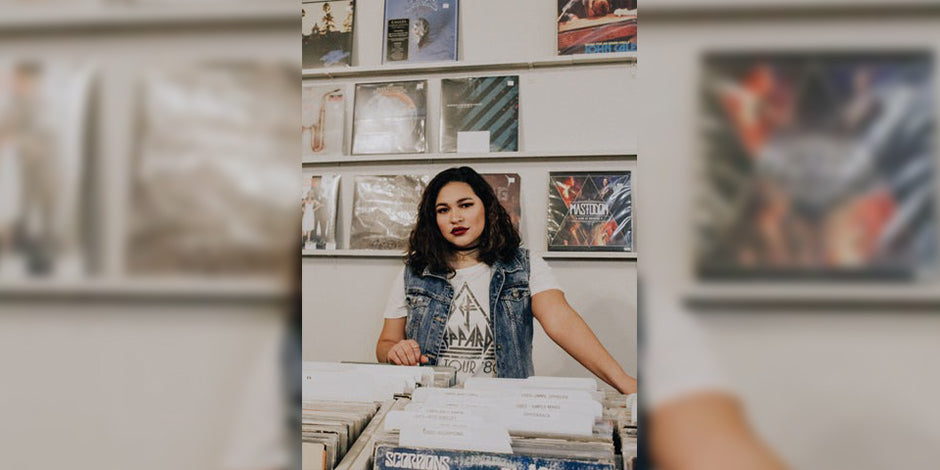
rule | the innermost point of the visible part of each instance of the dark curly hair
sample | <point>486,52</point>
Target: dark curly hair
<point>427,247</point>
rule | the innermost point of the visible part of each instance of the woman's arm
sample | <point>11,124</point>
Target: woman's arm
<point>567,329</point>
<point>704,431</point>
<point>393,348</point>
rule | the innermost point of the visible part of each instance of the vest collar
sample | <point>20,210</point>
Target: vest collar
<point>511,266</point>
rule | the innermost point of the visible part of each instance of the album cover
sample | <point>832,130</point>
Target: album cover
<point>480,107</point>
<point>327,32</point>
<point>590,211</point>
<point>214,181</point>
<point>596,26</point>
<point>817,164</point>
<point>507,187</point>
<point>44,115</point>
<point>420,30</point>
<point>390,117</point>
<point>323,116</point>
<point>388,457</point>
<point>318,212</point>
<point>384,211</point>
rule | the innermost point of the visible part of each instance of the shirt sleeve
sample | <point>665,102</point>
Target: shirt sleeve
<point>395,306</point>
<point>541,277</point>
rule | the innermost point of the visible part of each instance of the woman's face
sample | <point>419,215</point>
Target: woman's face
<point>460,214</point>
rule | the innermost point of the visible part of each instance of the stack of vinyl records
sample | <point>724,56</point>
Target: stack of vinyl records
<point>340,401</point>
<point>622,410</point>
<point>361,382</point>
<point>501,423</point>
<point>330,428</point>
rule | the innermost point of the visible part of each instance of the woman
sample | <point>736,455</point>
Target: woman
<point>468,294</point>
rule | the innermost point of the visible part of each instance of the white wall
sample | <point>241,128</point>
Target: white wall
<point>570,110</point>
<point>831,387</point>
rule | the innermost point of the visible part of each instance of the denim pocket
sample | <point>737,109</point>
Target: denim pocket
<point>418,305</point>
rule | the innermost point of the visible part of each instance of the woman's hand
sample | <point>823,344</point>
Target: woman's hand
<point>406,353</point>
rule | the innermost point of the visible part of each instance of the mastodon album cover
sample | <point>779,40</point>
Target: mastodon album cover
<point>817,164</point>
<point>590,211</point>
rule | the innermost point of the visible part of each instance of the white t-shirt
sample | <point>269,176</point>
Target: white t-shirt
<point>468,340</point>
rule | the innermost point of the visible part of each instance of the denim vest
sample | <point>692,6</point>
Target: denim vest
<point>429,298</point>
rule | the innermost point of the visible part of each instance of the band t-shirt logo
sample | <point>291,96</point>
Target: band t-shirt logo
<point>468,343</point>
<point>468,337</point>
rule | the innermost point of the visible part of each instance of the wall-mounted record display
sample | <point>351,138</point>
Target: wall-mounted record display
<point>390,117</point>
<point>420,30</point>
<point>594,27</point>
<point>384,210</point>
<point>318,211</point>
<point>480,109</point>
<point>590,211</point>
<point>323,118</point>
<point>327,32</point>
<point>507,187</point>
<point>817,164</point>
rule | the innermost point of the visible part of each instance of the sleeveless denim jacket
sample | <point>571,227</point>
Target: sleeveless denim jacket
<point>429,298</point>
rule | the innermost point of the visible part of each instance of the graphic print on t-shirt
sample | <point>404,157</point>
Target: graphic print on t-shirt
<point>468,338</point>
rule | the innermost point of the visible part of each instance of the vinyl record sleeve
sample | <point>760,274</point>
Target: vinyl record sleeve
<point>593,27</point>
<point>44,115</point>
<point>394,458</point>
<point>420,30</point>
<point>507,187</point>
<point>318,211</point>
<point>384,210</point>
<point>481,104</point>
<point>327,29</point>
<point>590,211</point>
<point>390,117</point>
<point>323,118</point>
<point>817,165</point>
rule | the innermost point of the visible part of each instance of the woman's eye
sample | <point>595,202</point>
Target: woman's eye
<point>466,205</point>
<point>442,210</point>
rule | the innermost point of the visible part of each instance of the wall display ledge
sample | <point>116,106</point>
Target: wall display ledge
<point>55,18</point>
<point>459,66</point>
<point>862,296</point>
<point>178,289</point>
<point>597,255</point>
<point>613,154</point>
<point>695,9</point>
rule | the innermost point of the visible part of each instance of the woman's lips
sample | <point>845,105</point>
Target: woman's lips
<point>459,231</point>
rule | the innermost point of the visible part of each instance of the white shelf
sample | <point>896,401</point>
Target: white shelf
<point>121,15</point>
<point>613,154</point>
<point>693,8</point>
<point>860,295</point>
<point>458,66</point>
<point>600,255</point>
<point>193,288</point>
<point>353,253</point>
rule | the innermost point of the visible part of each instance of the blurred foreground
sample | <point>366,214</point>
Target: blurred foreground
<point>789,233</point>
<point>148,178</point>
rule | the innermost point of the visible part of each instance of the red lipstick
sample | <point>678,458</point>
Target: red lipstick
<point>458,231</point>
